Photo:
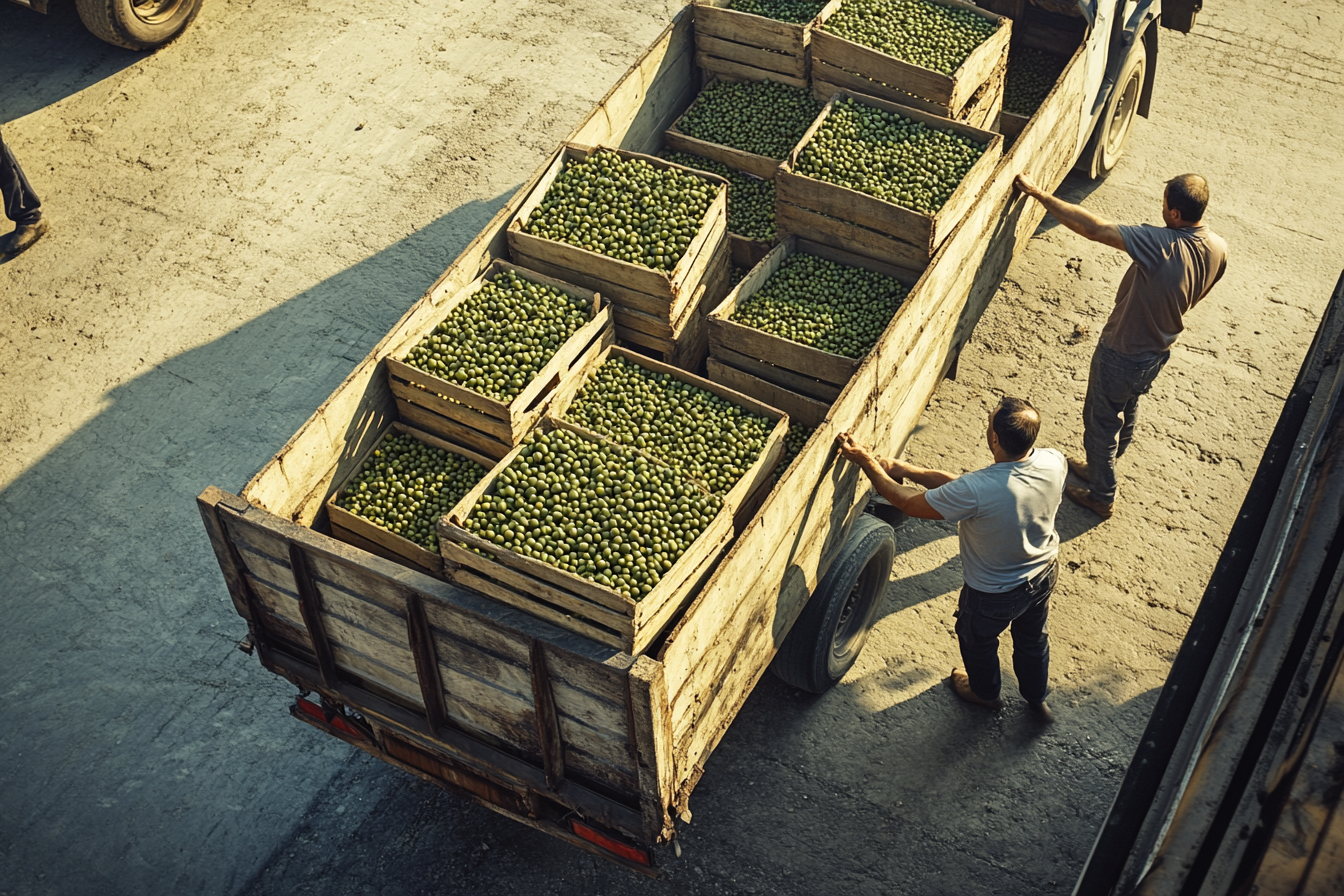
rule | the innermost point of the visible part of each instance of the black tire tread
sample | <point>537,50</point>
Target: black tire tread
<point>100,18</point>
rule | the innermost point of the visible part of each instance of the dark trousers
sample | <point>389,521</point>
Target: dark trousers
<point>982,617</point>
<point>21,204</point>
<point>1111,411</point>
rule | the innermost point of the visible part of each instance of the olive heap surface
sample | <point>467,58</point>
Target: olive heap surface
<point>751,200</point>
<point>406,485</point>
<point>797,12</point>
<point>824,304</point>
<point>600,511</point>
<point>695,432</point>
<point>625,209</point>
<point>886,155</point>
<point>762,117</point>
<point>793,443</point>
<point>501,336</point>
<point>915,31</point>
<point>1031,76</point>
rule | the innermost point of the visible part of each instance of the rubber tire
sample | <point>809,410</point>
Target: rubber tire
<point>1113,128</point>
<point>807,659</point>
<point>116,22</point>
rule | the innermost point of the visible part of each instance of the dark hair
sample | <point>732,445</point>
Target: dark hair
<point>1189,195</point>
<point>1016,423</point>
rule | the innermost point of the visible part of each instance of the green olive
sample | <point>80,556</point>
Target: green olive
<point>762,117</point>
<point>1032,74</point>
<point>829,306</point>
<point>751,200</point>
<point>405,486</point>
<point>793,443</point>
<point>926,34</point>
<point>601,511</point>
<point>798,12</point>
<point>897,159</point>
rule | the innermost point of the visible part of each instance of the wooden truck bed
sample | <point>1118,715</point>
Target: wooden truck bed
<point>541,724</point>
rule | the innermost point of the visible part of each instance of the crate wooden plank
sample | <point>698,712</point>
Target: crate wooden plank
<point>794,220</point>
<point>652,735</point>
<point>981,111</point>
<point>529,602</point>
<point>745,252</point>
<point>427,421</point>
<point>792,65</point>
<point>277,602</point>
<point>800,408</point>
<point>761,166</point>
<point>714,18</point>
<point>785,380</point>
<point>450,409</point>
<point>354,610</point>
<point>564,398</point>
<point>917,228</point>
<point>729,69</point>
<point>618,619</point>
<point>621,273</point>
<point>949,91</point>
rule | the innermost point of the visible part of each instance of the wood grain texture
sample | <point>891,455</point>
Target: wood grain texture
<point>800,408</point>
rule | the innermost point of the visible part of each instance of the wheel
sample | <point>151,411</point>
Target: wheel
<point>1108,143</point>
<point>833,627</point>
<point>137,24</point>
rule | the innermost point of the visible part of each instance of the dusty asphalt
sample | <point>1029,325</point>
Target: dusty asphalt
<point>227,243</point>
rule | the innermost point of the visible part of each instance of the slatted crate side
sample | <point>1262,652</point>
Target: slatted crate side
<point>950,93</point>
<point>367,535</point>
<point>924,232</point>
<point>981,110</point>
<point>754,476</point>
<point>738,159</point>
<point>802,409</point>
<point>738,44</point>
<point>264,565</point>
<point>603,270</point>
<point>810,371</point>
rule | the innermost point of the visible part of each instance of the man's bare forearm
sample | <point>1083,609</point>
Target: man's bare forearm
<point>895,493</point>
<point>899,469</point>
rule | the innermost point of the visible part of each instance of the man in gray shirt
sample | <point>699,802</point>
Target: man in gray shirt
<point>1173,268</point>
<point>1005,517</point>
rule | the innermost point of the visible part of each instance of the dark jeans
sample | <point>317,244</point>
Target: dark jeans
<point>21,204</point>
<point>1111,410</point>
<point>982,617</point>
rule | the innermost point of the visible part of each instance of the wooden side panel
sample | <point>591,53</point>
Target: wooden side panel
<point>725,640</point>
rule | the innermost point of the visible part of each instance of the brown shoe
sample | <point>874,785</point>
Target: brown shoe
<point>1043,713</point>
<point>961,684</point>
<point>1079,468</point>
<point>22,238</point>
<point>1083,498</point>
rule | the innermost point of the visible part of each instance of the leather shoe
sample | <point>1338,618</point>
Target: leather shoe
<point>1042,712</point>
<point>22,238</point>
<point>1079,468</point>
<point>1083,498</point>
<point>961,684</point>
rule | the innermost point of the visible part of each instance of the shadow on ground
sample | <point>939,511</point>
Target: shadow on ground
<point>129,724</point>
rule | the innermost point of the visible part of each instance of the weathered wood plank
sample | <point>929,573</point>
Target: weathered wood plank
<point>800,408</point>
<point>653,742</point>
<point>729,69</point>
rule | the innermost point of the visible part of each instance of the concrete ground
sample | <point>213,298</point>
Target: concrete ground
<point>240,216</point>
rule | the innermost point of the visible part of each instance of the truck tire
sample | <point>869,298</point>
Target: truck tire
<point>137,24</point>
<point>833,627</point>
<point>1108,142</point>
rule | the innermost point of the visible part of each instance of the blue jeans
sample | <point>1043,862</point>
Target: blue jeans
<point>983,616</point>
<point>20,202</point>
<point>1111,410</point>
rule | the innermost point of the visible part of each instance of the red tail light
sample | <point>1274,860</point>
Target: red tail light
<point>334,719</point>
<point>611,844</point>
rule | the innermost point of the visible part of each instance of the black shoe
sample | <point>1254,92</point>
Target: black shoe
<point>1042,712</point>
<point>22,238</point>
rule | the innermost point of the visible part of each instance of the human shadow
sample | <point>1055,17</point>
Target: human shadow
<point>130,724</point>
<point>46,58</point>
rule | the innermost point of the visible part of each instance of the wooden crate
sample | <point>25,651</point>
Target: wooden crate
<point>981,111</point>
<point>738,159</point>
<point>567,600</point>
<point>800,369</point>
<point>644,300</point>
<point>742,45</point>
<point>746,253</point>
<point>774,447</point>
<point>358,532</point>
<point>924,232</point>
<point>487,424</point>
<point>948,92</point>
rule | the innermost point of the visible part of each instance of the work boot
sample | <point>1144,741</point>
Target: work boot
<point>1079,468</point>
<point>961,684</point>
<point>1083,498</point>
<point>21,238</point>
<point>1043,713</point>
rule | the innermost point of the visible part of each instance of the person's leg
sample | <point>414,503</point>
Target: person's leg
<point>21,204</point>
<point>1142,386</point>
<point>1031,640</point>
<point>978,637</point>
<point>1103,409</point>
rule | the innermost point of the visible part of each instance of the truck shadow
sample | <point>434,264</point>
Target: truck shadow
<point>46,58</point>
<point>125,690</point>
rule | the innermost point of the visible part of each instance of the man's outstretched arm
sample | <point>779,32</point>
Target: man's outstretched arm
<point>1074,217</point>
<point>908,500</point>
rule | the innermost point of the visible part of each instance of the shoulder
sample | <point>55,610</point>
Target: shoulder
<point>1143,240</point>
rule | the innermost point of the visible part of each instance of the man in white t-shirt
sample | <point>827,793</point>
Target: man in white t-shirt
<point>1005,517</point>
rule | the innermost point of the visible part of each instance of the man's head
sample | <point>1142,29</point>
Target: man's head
<point>1012,429</point>
<point>1184,200</point>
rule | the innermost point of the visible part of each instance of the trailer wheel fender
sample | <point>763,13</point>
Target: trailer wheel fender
<point>834,626</point>
<point>137,24</point>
